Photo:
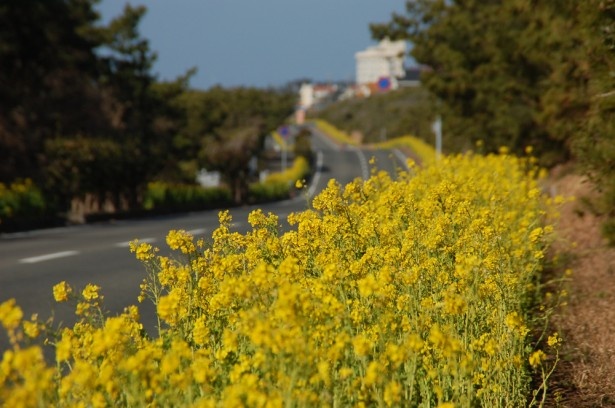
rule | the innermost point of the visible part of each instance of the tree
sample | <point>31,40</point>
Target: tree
<point>48,71</point>
<point>230,152</point>
<point>522,72</point>
<point>595,145</point>
<point>127,65</point>
<point>227,127</point>
<point>83,115</point>
<point>72,90</point>
<point>77,167</point>
<point>494,67</point>
<point>176,160</point>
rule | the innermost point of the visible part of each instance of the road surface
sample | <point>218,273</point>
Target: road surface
<point>31,263</point>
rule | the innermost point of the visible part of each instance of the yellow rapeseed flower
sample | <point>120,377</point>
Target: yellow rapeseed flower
<point>362,346</point>
<point>384,288</point>
<point>168,307</point>
<point>372,374</point>
<point>31,329</point>
<point>143,250</point>
<point>392,393</point>
<point>536,358</point>
<point>90,292</point>
<point>200,332</point>
<point>61,292</point>
<point>10,314</point>
<point>181,240</point>
<point>554,340</point>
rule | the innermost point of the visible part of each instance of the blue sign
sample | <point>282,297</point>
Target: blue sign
<point>384,83</point>
<point>284,131</point>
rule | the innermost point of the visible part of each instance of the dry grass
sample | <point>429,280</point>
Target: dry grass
<point>586,376</point>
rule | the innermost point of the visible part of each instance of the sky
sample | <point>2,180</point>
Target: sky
<point>257,43</point>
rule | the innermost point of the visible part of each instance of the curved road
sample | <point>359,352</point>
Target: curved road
<point>32,262</point>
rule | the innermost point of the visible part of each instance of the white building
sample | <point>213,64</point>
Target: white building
<point>306,96</point>
<point>385,60</point>
<point>312,94</point>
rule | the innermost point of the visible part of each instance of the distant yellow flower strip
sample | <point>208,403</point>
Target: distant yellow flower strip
<point>277,137</point>
<point>333,132</point>
<point>407,293</point>
<point>279,185</point>
<point>299,170</point>
<point>425,152</point>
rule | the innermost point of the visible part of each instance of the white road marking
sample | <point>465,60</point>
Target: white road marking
<point>126,244</point>
<point>332,145</point>
<point>362,162</point>
<point>196,231</point>
<point>316,178</point>
<point>48,257</point>
<point>402,158</point>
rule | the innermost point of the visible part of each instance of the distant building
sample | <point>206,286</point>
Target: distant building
<point>306,96</point>
<point>314,94</point>
<point>379,68</point>
<point>384,61</point>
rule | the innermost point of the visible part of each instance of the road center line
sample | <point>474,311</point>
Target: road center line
<point>48,257</point>
<point>126,244</point>
<point>362,162</point>
<point>316,178</point>
<point>402,158</point>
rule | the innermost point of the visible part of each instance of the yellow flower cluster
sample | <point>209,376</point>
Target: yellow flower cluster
<point>406,292</point>
<point>425,152</point>
<point>333,132</point>
<point>297,171</point>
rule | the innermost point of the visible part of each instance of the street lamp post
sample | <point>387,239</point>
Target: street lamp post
<point>437,129</point>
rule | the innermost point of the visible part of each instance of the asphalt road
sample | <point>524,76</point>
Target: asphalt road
<point>31,263</point>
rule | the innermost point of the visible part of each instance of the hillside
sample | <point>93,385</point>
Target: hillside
<point>383,116</point>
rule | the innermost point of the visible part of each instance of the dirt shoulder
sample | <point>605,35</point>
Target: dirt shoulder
<point>586,375</point>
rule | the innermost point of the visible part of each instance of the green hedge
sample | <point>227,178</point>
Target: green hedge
<point>181,197</point>
<point>280,185</point>
<point>22,199</point>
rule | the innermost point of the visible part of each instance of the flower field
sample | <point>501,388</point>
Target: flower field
<point>412,292</point>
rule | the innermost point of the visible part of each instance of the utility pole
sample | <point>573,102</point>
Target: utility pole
<point>284,163</point>
<point>437,129</point>
<point>284,132</point>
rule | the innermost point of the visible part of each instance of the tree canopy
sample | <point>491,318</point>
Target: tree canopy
<point>81,112</point>
<point>519,73</point>
<point>226,129</point>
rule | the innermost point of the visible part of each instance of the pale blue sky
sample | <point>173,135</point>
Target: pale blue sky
<point>257,42</point>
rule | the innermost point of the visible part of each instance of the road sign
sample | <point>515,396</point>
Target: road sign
<point>284,131</point>
<point>384,83</point>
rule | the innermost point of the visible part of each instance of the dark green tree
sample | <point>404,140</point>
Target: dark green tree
<point>226,129</point>
<point>176,161</point>
<point>520,73</point>
<point>127,63</point>
<point>230,151</point>
<point>82,113</point>
<point>494,69</point>
<point>595,145</point>
<point>78,167</point>
<point>48,74</point>
<point>72,89</point>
